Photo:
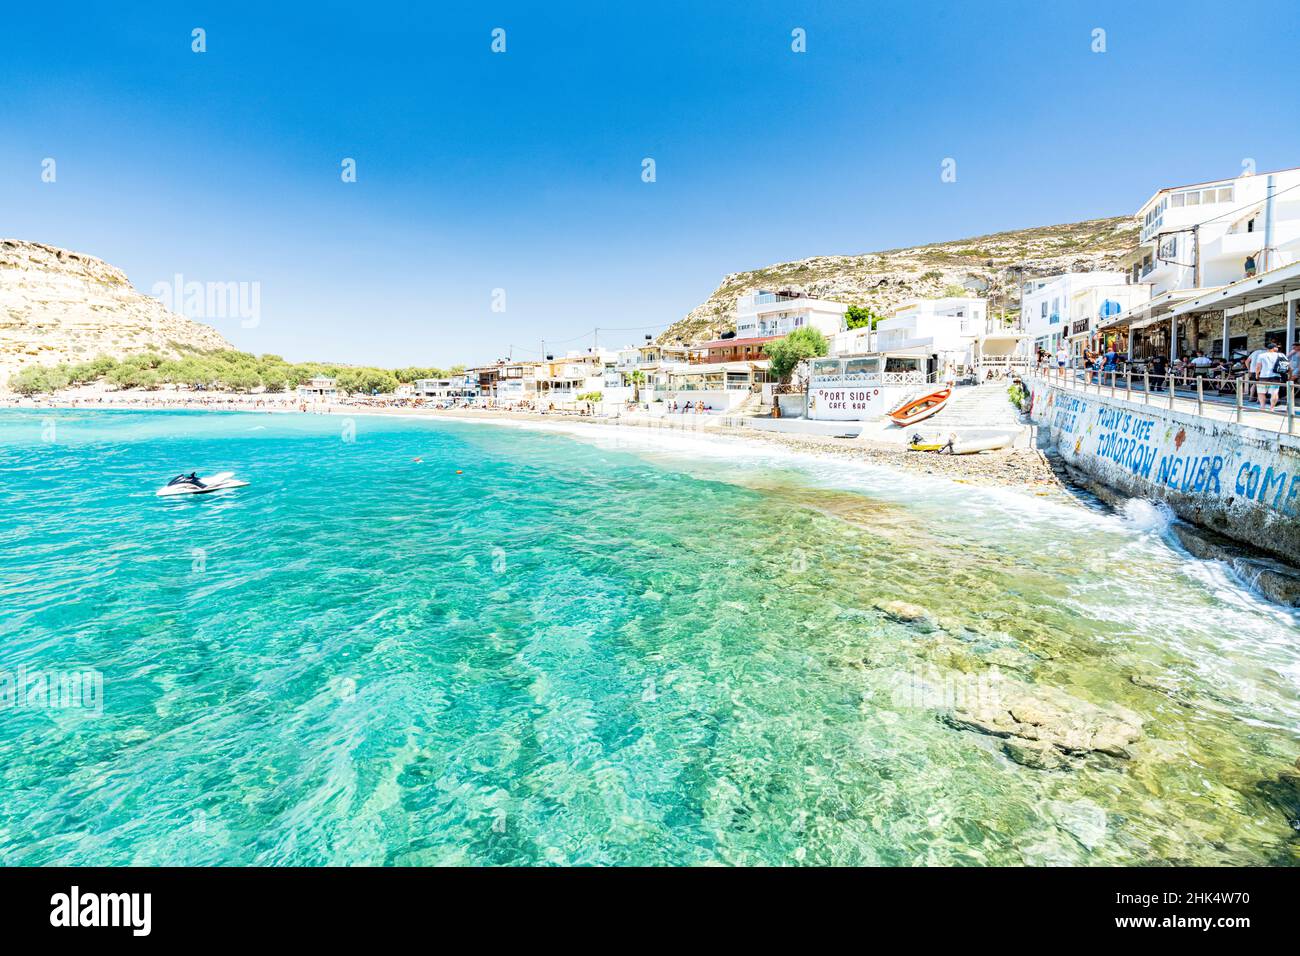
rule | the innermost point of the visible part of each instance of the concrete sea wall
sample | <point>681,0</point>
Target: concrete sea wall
<point>1239,481</point>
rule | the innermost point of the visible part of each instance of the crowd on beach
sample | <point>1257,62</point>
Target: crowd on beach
<point>212,400</point>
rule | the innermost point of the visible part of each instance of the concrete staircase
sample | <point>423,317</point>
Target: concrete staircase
<point>974,411</point>
<point>752,405</point>
<point>979,406</point>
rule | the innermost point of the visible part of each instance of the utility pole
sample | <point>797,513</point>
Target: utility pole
<point>1196,256</point>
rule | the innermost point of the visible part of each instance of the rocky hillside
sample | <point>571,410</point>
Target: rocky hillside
<point>58,306</point>
<point>990,266</point>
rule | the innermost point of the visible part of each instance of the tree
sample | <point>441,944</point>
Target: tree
<point>637,377</point>
<point>364,380</point>
<point>30,381</point>
<point>275,378</point>
<point>241,378</point>
<point>785,353</point>
<point>859,316</point>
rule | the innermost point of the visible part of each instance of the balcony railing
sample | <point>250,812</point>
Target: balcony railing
<point>767,298</point>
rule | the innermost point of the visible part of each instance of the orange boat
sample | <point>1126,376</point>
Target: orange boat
<point>920,408</point>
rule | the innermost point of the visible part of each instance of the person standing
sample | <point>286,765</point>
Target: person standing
<point>1251,361</point>
<point>1159,367</point>
<point>1293,359</point>
<point>1269,368</point>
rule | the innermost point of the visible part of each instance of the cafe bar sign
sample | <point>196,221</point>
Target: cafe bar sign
<point>846,389</point>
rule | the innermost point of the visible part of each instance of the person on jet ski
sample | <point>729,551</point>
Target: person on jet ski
<point>191,479</point>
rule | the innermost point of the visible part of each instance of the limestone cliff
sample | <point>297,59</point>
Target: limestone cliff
<point>60,306</point>
<point>990,266</point>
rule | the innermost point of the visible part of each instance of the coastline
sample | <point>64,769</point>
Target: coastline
<point>1026,472</point>
<point>1019,469</point>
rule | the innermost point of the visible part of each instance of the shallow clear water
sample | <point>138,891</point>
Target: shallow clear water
<point>598,648</point>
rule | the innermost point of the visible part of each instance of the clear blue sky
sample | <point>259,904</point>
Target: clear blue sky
<point>522,170</point>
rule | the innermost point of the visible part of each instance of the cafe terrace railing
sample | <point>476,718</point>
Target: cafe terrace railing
<point>1224,396</point>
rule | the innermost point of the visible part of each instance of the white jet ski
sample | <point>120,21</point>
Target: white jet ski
<point>192,485</point>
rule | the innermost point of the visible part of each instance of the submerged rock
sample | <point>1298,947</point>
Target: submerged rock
<point>1036,755</point>
<point>904,612</point>
<point>1162,685</point>
<point>1049,718</point>
<point>1283,792</point>
<point>1082,819</point>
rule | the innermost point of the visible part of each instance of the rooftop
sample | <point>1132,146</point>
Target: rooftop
<point>1212,182</point>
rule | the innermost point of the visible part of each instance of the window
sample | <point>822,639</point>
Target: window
<point>1237,343</point>
<point>1202,197</point>
<point>1043,314</point>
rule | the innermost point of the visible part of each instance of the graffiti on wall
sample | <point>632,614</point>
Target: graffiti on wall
<point>1157,448</point>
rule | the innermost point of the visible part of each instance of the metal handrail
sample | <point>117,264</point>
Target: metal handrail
<point>1238,389</point>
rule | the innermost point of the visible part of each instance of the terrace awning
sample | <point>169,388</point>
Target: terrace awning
<point>1149,312</point>
<point>1275,287</point>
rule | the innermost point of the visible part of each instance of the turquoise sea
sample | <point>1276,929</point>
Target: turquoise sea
<point>581,646</point>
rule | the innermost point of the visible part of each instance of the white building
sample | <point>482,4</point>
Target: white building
<point>954,331</point>
<point>319,388</point>
<point>1045,305</point>
<point>774,314</point>
<point>1207,235</point>
<point>654,363</point>
<point>945,330</point>
<point>1196,240</point>
<point>516,381</point>
<point>862,387</point>
<point>441,389</point>
<point>560,382</point>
